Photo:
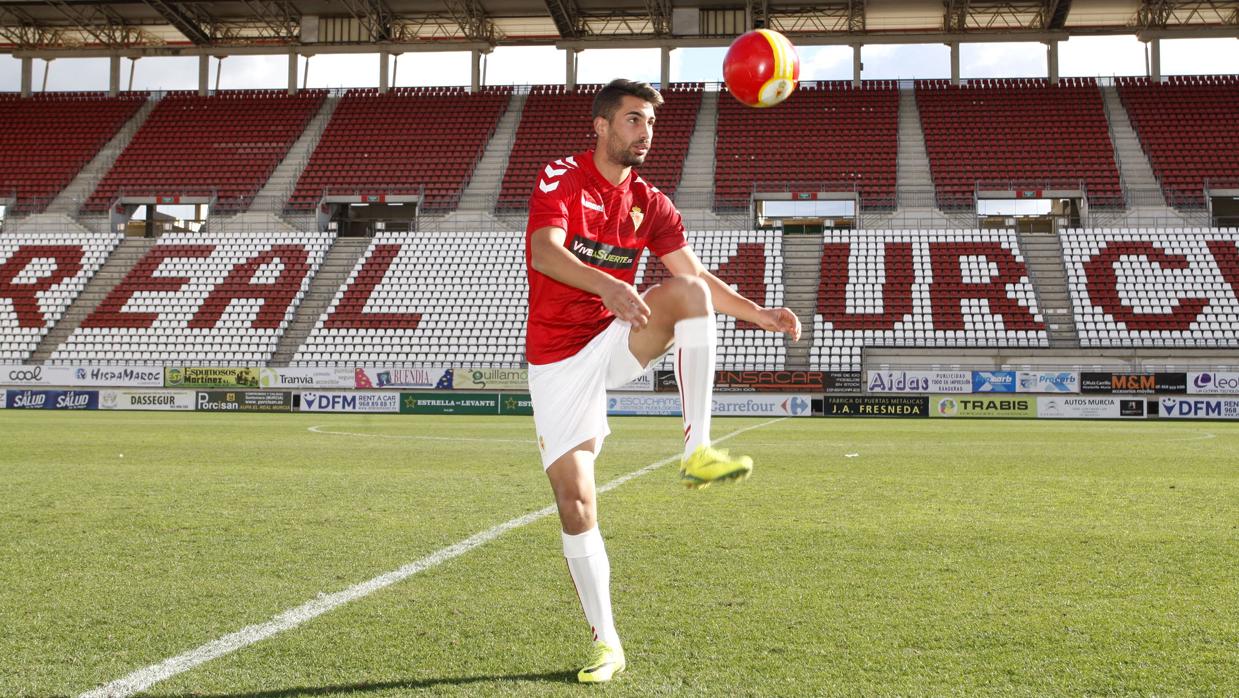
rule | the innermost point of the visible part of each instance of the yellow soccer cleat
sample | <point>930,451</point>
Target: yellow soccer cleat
<point>605,662</point>
<point>709,465</point>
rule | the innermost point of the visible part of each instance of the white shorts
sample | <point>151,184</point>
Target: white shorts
<point>570,396</point>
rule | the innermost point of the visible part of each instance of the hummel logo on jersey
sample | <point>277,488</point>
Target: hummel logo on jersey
<point>551,173</point>
<point>591,205</point>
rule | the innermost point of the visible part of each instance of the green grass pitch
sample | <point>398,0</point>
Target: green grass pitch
<point>943,558</point>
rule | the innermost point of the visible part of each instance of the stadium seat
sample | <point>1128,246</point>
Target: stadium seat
<point>201,299</point>
<point>1189,129</point>
<point>41,274</point>
<point>48,138</point>
<point>225,145</point>
<point>752,262</point>
<point>1017,134</point>
<point>427,299</point>
<point>944,288</point>
<point>1154,288</point>
<point>409,140</point>
<point>555,124</point>
<point>825,133</point>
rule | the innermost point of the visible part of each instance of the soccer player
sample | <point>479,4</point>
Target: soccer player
<point>590,219</point>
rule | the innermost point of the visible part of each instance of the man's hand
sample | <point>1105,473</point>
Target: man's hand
<point>780,320</point>
<point>623,300</point>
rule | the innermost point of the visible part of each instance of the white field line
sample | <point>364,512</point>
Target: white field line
<point>321,430</point>
<point>143,679</point>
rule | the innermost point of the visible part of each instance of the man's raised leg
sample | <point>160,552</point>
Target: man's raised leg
<point>681,311</point>
<point>572,480</point>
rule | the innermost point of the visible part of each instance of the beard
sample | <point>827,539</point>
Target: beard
<point>622,153</point>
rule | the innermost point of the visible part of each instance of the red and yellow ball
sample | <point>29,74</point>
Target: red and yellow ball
<point>761,68</point>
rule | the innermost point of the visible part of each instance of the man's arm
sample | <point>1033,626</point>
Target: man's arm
<point>684,262</point>
<point>549,256</point>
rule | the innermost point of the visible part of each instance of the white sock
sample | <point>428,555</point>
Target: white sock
<point>695,349</point>
<point>591,573</point>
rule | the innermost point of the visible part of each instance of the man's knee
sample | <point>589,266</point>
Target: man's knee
<point>577,512</point>
<point>689,295</point>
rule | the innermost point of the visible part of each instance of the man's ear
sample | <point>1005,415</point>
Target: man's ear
<point>600,126</point>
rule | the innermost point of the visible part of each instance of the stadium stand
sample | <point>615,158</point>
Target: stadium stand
<point>205,299</point>
<point>401,141</point>
<point>824,133</point>
<point>427,299</point>
<point>922,289</point>
<point>1017,134</point>
<point>555,124</point>
<point>41,274</point>
<point>48,138</point>
<point>226,145</point>
<point>752,262</point>
<point>1189,128</point>
<point>1154,288</point>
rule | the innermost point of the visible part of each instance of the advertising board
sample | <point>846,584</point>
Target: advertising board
<point>244,401</point>
<point>919,382</point>
<point>1133,383</point>
<point>403,378</point>
<point>84,376</point>
<point>1088,407</point>
<point>441,403</point>
<point>352,401</point>
<point>1013,407</point>
<point>147,400</point>
<point>993,381</point>
<point>762,405</point>
<point>769,381</point>
<point>875,406</point>
<point>464,378</point>
<point>315,377</point>
<point>1213,383</point>
<point>651,405</point>
<point>1047,382</point>
<point>515,403</point>
<point>52,399</point>
<point>210,377</point>
<point>1198,408</point>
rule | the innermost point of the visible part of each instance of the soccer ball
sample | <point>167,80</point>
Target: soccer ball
<point>761,68</point>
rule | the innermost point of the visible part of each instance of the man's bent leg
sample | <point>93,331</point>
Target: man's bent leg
<point>680,310</point>
<point>572,480</point>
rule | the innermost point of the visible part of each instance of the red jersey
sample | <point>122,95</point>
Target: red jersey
<point>608,227</point>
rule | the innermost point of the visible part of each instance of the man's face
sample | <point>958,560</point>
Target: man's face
<point>627,136</point>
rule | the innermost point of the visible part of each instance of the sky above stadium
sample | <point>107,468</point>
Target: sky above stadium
<point>1080,56</point>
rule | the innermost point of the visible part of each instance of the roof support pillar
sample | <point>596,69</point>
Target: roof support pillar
<point>664,67</point>
<point>1155,59</point>
<point>204,75</point>
<point>954,62</point>
<point>27,75</point>
<point>383,66</point>
<point>1051,61</point>
<point>570,70</point>
<point>292,72</point>
<point>113,76</point>
<point>475,71</point>
<point>857,66</point>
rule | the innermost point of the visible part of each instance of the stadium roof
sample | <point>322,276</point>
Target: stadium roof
<point>167,27</point>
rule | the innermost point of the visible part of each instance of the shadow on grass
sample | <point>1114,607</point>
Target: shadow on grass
<point>359,688</point>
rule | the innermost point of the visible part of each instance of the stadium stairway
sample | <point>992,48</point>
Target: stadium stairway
<point>914,184</point>
<point>118,264</point>
<point>333,273</point>
<point>71,198</point>
<point>483,189</point>
<point>279,187</point>
<point>1044,257</point>
<point>477,201</point>
<point>1146,205</point>
<point>802,269</point>
<point>696,186</point>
